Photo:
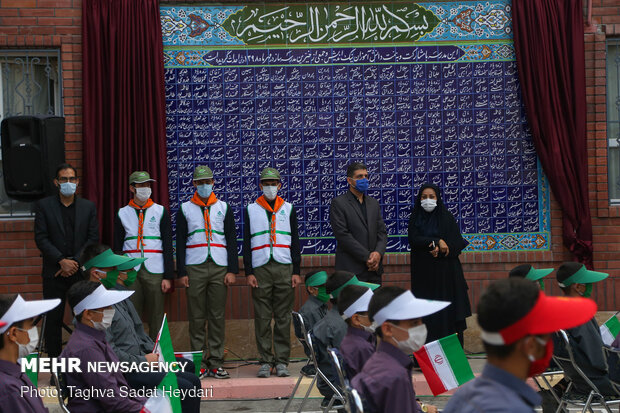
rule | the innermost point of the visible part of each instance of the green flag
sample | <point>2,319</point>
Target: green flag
<point>610,330</point>
<point>163,347</point>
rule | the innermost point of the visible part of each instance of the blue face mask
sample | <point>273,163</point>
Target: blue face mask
<point>361,185</point>
<point>204,190</point>
<point>68,188</point>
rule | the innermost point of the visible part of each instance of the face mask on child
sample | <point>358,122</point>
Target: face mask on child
<point>33,340</point>
<point>322,295</point>
<point>540,365</point>
<point>106,321</point>
<point>417,338</point>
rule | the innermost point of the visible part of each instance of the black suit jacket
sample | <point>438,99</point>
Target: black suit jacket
<point>357,238</point>
<point>49,231</point>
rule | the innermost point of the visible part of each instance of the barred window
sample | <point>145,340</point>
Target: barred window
<point>30,84</point>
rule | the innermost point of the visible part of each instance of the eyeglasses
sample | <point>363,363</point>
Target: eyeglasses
<point>64,179</point>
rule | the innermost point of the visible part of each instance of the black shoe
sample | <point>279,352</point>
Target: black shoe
<point>308,370</point>
<point>337,405</point>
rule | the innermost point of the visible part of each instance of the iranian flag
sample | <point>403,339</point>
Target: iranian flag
<point>194,356</point>
<point>610,330</point>
<point>444,364</point>
<point>163,347</point>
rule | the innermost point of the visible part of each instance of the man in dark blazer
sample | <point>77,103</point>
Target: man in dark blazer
<point>63,226</point>
<point>359,228</point>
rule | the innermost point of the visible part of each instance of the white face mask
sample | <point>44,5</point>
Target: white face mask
<point>106,321</point>
<point>371,328</point>
<point>428,204</point>
<point>143,194</point>
<point>417,338</point>
<point>270,192</point>
<point>25,349</point>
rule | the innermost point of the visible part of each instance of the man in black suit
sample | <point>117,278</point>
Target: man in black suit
<point>359,228</point>
<point>63,226</point>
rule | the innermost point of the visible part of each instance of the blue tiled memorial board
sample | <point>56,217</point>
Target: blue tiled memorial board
<point>418,91</point>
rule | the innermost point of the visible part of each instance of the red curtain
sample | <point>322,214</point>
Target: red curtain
<point>124,103</point>
<point>549,43</point>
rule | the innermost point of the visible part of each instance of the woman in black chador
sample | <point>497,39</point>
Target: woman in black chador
<point>436,272</point>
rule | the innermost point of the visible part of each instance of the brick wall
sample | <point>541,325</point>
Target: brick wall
<point>56,23</point>
<point>45,24</point>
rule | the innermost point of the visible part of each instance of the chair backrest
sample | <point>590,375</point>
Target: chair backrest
<point>336,390</point>
<point>61,389</point>
<point>310,344</point>
<point>568,363</point>
<point>356,402</point>
<point>613,362</point>
<point>298,321</point>
<point>336,360</point>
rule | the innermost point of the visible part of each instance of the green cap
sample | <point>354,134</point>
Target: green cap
<point>529,273</point>
<point>354,281</point>
<point>577,273</point>
<point>316,279</point>
<point>138,177</point>
<point>130,264</point>
<point>202,172</point>
<point>106,259</point>
<point>269,173</point>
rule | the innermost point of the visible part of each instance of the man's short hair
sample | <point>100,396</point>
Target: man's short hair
<point>349,295</point>
<point>381,297</point>
<point>336,280</point>
<point>64,166</point>
<point>90,252</point>
<point>505,302</point>
<point>565,271</point>
<point>6,301</point>
<point>520,271</point>
<point>79,291</point>
<point>355,166</point>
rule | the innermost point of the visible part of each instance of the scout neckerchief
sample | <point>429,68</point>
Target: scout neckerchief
<point>262,201</point>
<point>148,204</point>
<point>210,201</point>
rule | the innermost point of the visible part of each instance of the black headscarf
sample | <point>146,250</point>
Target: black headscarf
<point>436,224</point>
<point>428,223</point>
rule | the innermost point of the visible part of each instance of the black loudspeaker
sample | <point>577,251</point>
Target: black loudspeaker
<point>32,148</point>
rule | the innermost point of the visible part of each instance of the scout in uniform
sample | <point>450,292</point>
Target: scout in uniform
<point>272,258</point>
<point>207,260</point>
<point>142,230</point>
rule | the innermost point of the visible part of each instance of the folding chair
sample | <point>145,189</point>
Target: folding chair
<point>354,402</point>
<point>337,392</point>
<point>613,361</point>
<point>570,399</point>
<point>544,377</point>
<point>297,318</point>
<point>62,390</point>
